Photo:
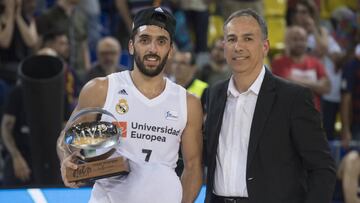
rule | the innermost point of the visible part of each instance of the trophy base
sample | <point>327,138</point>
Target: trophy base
<point>98,169</point>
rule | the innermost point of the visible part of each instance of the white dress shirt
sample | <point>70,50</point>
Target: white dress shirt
<point>231,158</point>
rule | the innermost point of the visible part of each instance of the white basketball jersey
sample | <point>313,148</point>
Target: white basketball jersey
<point>150,139</point>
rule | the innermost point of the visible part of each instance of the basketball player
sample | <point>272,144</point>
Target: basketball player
<point>156,114</point>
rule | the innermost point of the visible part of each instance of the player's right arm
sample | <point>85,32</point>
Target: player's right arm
<point>93,94</point>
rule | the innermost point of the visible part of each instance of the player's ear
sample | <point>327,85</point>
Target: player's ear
<point>171,52</point>
<point>131,47</point>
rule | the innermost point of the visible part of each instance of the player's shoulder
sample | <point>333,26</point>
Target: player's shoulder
<point>94,92</point>
<point>193,101</point>
<point>96,84</point>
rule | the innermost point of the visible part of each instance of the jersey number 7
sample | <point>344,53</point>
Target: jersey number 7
<point>148,154</point>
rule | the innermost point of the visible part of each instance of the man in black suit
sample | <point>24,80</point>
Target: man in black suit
<point>265,142</point>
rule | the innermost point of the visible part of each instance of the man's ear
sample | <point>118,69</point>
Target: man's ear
<point>266,46</point>
<point>131,47</point>
<point>171,52</point>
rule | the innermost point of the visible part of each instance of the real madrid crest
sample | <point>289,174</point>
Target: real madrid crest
<point>122,106</point>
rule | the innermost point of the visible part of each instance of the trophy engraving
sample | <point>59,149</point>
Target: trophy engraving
<point>94,132</point>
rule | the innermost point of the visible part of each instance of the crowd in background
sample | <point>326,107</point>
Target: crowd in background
<point>315,43</point>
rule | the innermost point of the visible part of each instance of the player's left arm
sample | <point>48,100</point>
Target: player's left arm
<point>191,146</point>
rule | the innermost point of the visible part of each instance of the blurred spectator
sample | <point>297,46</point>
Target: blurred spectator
<point>184,69</point>
<point>323,46</point>
<point>182,34</point>
<point>16,137</point>
<point>297,66</point>
<point>128,8</point>
<point>319,42</point>
<point>230,6</point>
<point>197,18</point>
<point>350,100</point>
<point>91,8</point>
<point>291,9</point>
<point>108,55</point>
<point>72,21</point>
<point>346,29</point>
<point>331,100</point>
<point>18,36</point>
<point>216,69</point>
<point>57,44</point>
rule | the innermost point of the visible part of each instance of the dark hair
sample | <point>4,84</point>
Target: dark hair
<point>252,13</point>
<point>311,7</point>
<point>52,35</point>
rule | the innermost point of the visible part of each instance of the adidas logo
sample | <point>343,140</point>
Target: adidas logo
<point>123,92</point>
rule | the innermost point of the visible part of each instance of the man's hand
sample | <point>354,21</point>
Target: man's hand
<point>70,162</point>
<point>21,168</point>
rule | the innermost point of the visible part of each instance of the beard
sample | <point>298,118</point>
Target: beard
<point>148,72</point>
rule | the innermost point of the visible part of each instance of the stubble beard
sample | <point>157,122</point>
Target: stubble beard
<point>149,72</point>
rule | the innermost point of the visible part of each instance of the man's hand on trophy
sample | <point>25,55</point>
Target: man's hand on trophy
<point>71,162</point>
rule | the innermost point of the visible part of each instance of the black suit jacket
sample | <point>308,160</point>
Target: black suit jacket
<point>288,157</point>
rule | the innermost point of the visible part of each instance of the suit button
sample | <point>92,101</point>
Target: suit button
<point>249,179</point>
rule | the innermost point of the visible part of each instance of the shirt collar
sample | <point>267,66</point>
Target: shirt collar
<point>255,87</point>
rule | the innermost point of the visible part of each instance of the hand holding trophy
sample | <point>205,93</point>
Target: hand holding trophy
<point>94,132</point>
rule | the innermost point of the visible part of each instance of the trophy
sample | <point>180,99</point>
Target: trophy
<point>95,132</point>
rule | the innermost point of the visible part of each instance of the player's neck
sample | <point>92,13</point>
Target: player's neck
<point>150,87</point>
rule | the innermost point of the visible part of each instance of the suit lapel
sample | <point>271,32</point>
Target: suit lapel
<point>262,110</point>
<point>219,98</point>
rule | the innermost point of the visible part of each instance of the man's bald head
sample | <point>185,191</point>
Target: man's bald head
<point>296,41</point>
<point>108,43</point>
<point>108,52</point>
